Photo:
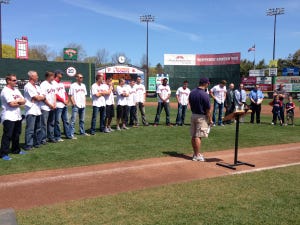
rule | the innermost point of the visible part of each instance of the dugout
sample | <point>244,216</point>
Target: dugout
<point>21,68</point>
<point>190,67</point>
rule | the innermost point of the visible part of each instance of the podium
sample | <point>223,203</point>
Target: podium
<point>236,115</point>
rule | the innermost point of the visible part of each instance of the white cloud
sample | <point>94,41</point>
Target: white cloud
<point>98,8</point>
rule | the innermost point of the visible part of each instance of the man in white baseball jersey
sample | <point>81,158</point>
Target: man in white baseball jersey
<point>77,93</point>
<point>122,107</point>
<point>164,93</point>
<point>132,104</point>
<point>218,93</point>
<point>48,108</point>
<point>98,91</point>
<point>140,99</point>
<point>110,102</point>
<point>34,98</point>
<point>61,111</point>
<point>11,99</point>
<point>182,96</point>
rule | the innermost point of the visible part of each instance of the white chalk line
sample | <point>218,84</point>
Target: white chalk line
<point>86,174</point>
<point>265,168</point>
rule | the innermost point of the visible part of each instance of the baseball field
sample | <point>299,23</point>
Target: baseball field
<point>145,176</point>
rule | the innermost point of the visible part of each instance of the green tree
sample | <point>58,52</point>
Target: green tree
<point>245,66</point>
<point>261,65</point>
<point>8,51</point>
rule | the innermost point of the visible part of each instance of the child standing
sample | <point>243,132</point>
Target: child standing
<point>290,106</point>
<point>276,103</point>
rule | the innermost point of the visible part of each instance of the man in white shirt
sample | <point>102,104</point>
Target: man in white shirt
<point>133,121</point>
<point>61,111</point>
<point>218,93</point>
<point>164,93</point>
<point>11,99</point>
<point>34,98</point>
<point>77,93</point>
<point>122,107</point>
<point>182,96</point>
<point>98,91</point>
<point>110,102</point>
<point>48,108</point>
<point>140,99</point>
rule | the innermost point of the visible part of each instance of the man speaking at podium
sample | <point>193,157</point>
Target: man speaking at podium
<point>201,116</point>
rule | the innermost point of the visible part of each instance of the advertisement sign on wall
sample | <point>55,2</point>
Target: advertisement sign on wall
<point>21,46</point>
<point>180,59</point>
<point>290,71</point>
<point>256,73</point>
<point>218,59</point>
<point>152,83</point>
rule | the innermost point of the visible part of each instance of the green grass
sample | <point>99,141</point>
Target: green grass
<point>267,197</point>
<point>143,142</point>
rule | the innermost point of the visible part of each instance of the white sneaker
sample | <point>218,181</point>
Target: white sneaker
<point>111,130</point>
<point>125,128</point>
<point>106,130</point>
<point>198,158</point>
<point>272,123</point>
<point>118,128</point>
<point>60,140</point>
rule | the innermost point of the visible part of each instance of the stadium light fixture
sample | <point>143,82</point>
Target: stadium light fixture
<point>1,2</point>
<point>147,19</point>
<point>275,12</point>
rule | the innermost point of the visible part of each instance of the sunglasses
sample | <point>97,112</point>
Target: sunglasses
<point>14,80</point>
<point>80,77</point>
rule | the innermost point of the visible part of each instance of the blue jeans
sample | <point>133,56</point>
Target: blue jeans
<point>102,111</point>
<point>61,113</point>
<point>33,131</point>
<point>181,114</point>
<point>166,107</point>
<point>219,107</point>
<point>81,114</point>
<point>47,127</point>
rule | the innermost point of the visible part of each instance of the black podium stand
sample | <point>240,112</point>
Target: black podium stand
<point>236,162</point>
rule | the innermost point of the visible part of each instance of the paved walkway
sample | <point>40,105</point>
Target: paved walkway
<point>20,191</point>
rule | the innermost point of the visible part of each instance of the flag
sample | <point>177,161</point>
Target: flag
<point>251,49</point>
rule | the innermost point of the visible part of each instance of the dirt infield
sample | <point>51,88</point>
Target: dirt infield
<point>21,191</point>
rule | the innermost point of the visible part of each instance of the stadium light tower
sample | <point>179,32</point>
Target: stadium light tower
<point>1,2</point>
<point>146,19</point>
<point>274,12</point>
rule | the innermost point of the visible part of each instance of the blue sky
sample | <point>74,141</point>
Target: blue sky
<point>190,26</point>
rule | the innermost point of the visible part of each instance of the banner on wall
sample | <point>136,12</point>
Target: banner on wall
<point>218,59</point>
<point>180,59</point>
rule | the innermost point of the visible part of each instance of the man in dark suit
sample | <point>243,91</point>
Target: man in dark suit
<point>229,102</point>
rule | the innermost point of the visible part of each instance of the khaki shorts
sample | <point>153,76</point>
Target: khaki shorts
<point>199,126</point>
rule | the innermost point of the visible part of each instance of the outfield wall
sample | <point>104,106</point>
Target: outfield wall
<point>191,67</point>
<point>21,68</point>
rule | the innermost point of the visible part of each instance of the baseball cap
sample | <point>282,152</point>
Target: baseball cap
<point>58,72</point>
<point>204,80</point>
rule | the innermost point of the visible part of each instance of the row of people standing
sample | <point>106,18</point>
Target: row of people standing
<point>235,99</point>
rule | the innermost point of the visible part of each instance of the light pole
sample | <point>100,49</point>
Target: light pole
<point>147,19</point>
<point>1,2</point>
<point>274,12</point>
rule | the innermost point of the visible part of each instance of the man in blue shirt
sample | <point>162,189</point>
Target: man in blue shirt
<point>240,97</point>
<point>256,97</point>
<point>201,116</point>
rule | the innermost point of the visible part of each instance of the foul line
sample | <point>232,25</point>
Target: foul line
<point>265,168</point>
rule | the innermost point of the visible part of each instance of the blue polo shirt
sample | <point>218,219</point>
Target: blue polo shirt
<point>199,101</point>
